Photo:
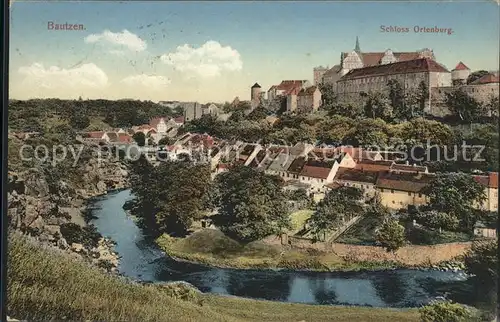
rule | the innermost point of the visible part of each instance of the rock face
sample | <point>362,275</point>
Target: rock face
<point>37,209</point>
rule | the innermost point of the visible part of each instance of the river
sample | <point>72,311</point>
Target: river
<point>143,260</point>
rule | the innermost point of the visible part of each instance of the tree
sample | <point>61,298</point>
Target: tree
<point>455,194</point>
<point>368,132</point>
<point>445,312</point>
<point>165,141</point>
<point>169,196</point>
<point>391,235</point>
<point>337,206</point>
<point>335,129</point>
<point>426,131</point>
<point>378,106</point>
<point>476,75</point>
<point>258,114</point>
<point>491,108</point>
<point>251,204</point>
<point>482,262</point>
<point>463,105</point>
<point>139,138</point>
<point>328,96</point>
<point>438,220</point>
<point>397,100</point>
<point>348,108</point>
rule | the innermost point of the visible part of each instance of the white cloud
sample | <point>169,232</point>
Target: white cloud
<point>124,38</point>
<point>151,82</point>
<point>117,52</point>
<point>209,60</point>
<point>86,75</point>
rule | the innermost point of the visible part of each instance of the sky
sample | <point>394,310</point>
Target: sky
<point>215,51</point>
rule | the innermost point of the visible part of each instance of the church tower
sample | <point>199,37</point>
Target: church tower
<point>357,49</point>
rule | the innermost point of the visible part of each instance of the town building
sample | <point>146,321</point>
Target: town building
<point>490,184</point>
<point>400,190</point>
<point>358,178</point>
<point>210,109</point>
<point>286,87</point>
<point>308,100</point>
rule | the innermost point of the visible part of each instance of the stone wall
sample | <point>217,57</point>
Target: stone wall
<point>413,255</point>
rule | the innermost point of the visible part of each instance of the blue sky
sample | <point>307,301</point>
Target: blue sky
<point>261,42</point>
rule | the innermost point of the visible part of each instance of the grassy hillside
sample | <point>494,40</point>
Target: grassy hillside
<point>45,284</point>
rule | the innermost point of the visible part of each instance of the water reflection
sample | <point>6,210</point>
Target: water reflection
<point>141,259</point>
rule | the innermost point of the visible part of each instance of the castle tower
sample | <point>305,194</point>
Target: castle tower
<point>318,73</point>
<point>255,92</point>
<point>459,74</point>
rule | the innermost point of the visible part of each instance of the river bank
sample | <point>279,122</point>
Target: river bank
<point>65,289</point>
<point>212,248</point>
<point>55,212</point>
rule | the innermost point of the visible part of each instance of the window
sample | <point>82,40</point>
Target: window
<point>393,202</point>
<point>409,193</point>
<point>420,195</point>
<point>381,190</point>
<point>392,191</point>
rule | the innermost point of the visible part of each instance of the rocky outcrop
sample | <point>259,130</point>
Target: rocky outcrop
<point>39,209</point>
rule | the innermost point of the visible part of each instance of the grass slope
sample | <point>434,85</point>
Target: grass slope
<point>46,284</point>
<point>212,247</point>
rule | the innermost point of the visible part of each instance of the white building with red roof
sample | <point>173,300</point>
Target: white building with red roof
<point>459,74</point>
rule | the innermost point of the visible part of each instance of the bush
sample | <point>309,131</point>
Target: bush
<point>445,312</point>
<point>87,236</point>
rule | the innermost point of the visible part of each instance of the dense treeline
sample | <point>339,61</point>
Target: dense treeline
<point>29,115</point>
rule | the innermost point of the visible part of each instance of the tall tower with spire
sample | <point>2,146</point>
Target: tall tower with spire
<point>357,49</point>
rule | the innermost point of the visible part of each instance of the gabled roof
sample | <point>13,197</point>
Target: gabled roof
<point>289,86</point>
<point>486,79</point>
<point>409,182</point>
<point>332,71</point>
<point>124,137</point>
<point>461,66</point>
<point>308,91</point>
<point>404,67</point>
<point>368,165</point>
<point>490,180</point>
<point>356,175</point>
<point>112,136</point>
<point>493,180</point>
<point>155,121</point>
<point>95,134</point>
<point>408,168</point>
<point>256,85</point>
<point>375,58</point>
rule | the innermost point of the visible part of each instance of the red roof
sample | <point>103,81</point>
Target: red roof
<point>124,137</point>
<point>402,67</point>
<point>95,134</point>
<point>493,180</point>
<point>403,181</point>
<point>179,119</point>
<point>483,180</point>
<point>461,66</point>
<point>486,79</point>
<point>315,172</point>
<point>290,86</point>
<point>308,91</point>
<point>155,121</point>
<point>368,165</point>
<point>375,58</point>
